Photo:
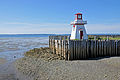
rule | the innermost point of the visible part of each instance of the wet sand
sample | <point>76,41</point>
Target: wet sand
<point>8,71</point>
<point>2,61</point>
<point>12,49</point>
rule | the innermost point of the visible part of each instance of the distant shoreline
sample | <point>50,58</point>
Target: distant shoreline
<point>47,35</point>
<point>66,34</point>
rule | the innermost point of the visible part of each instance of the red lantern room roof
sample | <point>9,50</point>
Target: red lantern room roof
<point>78,14</point>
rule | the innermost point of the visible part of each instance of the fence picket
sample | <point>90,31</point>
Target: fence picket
<point>118,48</point>
<point>83,49</point>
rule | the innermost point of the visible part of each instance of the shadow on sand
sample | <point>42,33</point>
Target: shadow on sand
<point>97,58</point>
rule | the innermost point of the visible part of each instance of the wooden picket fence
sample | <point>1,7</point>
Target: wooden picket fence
<point>83,49</point>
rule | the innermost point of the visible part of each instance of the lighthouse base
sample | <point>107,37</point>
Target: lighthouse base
<point>78,32</point>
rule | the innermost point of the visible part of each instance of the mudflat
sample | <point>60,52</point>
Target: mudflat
<point>2,61</point>
<point>12,48</point>
<point>7,70</point>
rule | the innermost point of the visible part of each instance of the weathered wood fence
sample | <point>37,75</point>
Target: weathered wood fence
<point>83,49</point>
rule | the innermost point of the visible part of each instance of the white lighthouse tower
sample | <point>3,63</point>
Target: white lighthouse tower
<point>78,29</point>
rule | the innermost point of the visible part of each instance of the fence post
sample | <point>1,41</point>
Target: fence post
<point>68,48</point>
<point>49,41</point>
<point>87,46</point>
<point>118,48</point>
<point>60,45</point>
<point>71,49</point>
<point>64,50</point>
<point>95,38</point>
<point>54,51</point>
<point>107,38</point>
<point>52,42</point>
<point>80,49</point>
<point>95,48</point>
<point>57,47</point>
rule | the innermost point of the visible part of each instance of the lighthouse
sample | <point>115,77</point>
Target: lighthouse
<point>78,29</point>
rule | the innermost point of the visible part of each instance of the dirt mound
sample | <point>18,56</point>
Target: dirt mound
<point>43,53</point>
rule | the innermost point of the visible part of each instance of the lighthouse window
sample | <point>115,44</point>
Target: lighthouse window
<point>79,16</point>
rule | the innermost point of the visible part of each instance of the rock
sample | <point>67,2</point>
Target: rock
<point>14,56</point>
<point>105,75</point>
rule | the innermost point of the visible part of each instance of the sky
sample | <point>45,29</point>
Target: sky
<point>55,16</point>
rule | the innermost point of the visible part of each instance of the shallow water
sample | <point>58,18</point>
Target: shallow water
<point>15,47</point>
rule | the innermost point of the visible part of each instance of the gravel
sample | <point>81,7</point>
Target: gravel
<point>42,68</point>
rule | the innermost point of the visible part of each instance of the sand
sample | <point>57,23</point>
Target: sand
<point>9,72</point>
<point>42,69</point>
<point>37,69</point>
<point>6,70</point>
<point>2,61</point>
<point>47,66</point>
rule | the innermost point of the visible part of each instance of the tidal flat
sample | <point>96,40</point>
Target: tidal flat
<point>13,48</point>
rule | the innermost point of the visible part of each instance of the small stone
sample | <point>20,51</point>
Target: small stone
<point>105,75</point>
<point>14,56</point>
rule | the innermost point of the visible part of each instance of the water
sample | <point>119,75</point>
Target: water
<point>23,35</point>
<point>14,46</point>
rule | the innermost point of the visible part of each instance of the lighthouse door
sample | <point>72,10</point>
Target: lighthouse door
<point>81,34</point>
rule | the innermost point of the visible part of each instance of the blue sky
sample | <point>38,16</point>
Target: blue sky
<point>54,16</point>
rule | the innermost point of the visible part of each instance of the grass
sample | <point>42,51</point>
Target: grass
<point>104,38</point>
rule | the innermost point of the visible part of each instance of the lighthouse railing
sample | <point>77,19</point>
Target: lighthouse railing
<point>79,22</point>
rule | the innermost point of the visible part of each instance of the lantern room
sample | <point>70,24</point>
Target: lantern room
<point>78,16</point>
